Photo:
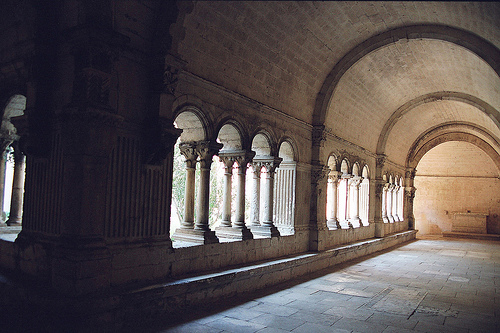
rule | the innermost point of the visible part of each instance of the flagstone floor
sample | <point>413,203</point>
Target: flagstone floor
<point>433,284</point>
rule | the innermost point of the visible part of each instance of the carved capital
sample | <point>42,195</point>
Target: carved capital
<point>380,161</point>
<point>268,162</point>
<point>206,151</point>
<point>318,135</point>
<point>173,67</point>
<point>355,181</point>
<point>334,176</point>
<point>241,157</point>
<point>318,174</point>
<point>410,193</point>
<point>188,150</point>
<point>410,173</point>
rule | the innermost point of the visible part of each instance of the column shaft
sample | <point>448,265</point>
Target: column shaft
<point>268,199</point>
<point>255,204</point>
<point>226,199</point>
<point>203,198</point>
<point>240,198</point>
<point>16,201</point>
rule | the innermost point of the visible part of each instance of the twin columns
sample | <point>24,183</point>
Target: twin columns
<point>199,231</point>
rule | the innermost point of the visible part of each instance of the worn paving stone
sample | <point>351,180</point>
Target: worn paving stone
<point>432,285</point>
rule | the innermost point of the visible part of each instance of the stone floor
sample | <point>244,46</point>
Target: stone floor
<point>431,285</point>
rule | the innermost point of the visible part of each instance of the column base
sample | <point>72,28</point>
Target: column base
<point>234,233</point>
<point>265,231</point>
<point>13,222</point>
<point>333,224</point>
<point>355,222</point>
<point>195,236</point>
<point>391,219</point>
<point>385,220</point>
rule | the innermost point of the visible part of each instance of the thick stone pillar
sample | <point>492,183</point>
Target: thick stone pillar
<point>355,182</point>
<point>379,202</point>
<point>16,201</point>
<point>255,203</point>
<point>238,230</point>
<point>267,227</point>
<point>333,180</point>
<point>409,197</point>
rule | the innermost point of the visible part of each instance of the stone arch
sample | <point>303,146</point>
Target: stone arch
<point>429,98</point>
<point>366,172</point>
<point>356,169</point>
<point>478,45</point>
<point>423,145</point>
<point>262,144</point>
<point>287,150</point>
<point>344,166</point>
<point>232,135</point>
<point>332,162</point>
<point>193,122</point>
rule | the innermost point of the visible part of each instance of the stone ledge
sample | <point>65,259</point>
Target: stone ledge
<point>471,235</point>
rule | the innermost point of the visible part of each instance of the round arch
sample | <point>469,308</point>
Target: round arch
<point>476,44</point>
<point>233,135</point>
<point>429,98</point>
<point>422,146</point>
<point>288,150</point>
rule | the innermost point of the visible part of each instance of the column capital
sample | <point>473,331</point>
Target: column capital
<point>242,157</point>
<point>188,150</point>
<point>334,176</point>
<point>268,162</point>
<point>355,181</point>
<point>318,173</point>
<point>206,151</point>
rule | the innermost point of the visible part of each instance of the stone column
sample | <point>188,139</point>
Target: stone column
<point>3,161</point>
<point>390,203</point>
<point>409,196</point>
<point>384,203</point>
<point>395,203</point>
<point>333,180</point>
<point>255,203</point>
<point>355,182</point>
<point>347,220</point>
<point>188,149</point>
<point>226,199</point>
<point>16,201</point>
<point>238,230</point>
<point>267,228</point>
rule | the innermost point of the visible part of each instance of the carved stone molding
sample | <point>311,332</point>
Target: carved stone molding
<point>380,161</point>
<point>318,135</point>
<point>270,163</point>
<point>318,174</point>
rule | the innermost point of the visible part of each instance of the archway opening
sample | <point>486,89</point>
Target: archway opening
<point>458,190</point>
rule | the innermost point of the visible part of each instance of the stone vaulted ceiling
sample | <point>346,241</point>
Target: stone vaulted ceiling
<point>283,54</point>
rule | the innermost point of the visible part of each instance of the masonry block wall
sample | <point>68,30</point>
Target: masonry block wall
<point>470,183</point>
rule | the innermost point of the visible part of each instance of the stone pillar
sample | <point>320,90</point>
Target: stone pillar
<point>390,191</point>
<point>255,203</point>
<point>395,203</point>
<point>16,201</point>
<point>189,152</point>
<point>238,230</point>
<point>3,161</point>
<point>347,220</point>
<point>409,197</point>
<point>267,228</point>
<point>355,182</point>
<point>378,202</point>
<point>384,203</point>
<point>226,199</point>
<point>333,180</point>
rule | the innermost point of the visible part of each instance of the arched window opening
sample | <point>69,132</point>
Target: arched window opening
<point>13,164</point>
<point>364,197</point>
<point>263,188</point>
<point>401,192</point>
<point>384,199</point>
<point>284,190</point>
<point>235,161</point>
<point>390,199</point>
<point>353,196</point>
<point>343,196</point>
<point>332,221</point>
<point>192,201</point>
